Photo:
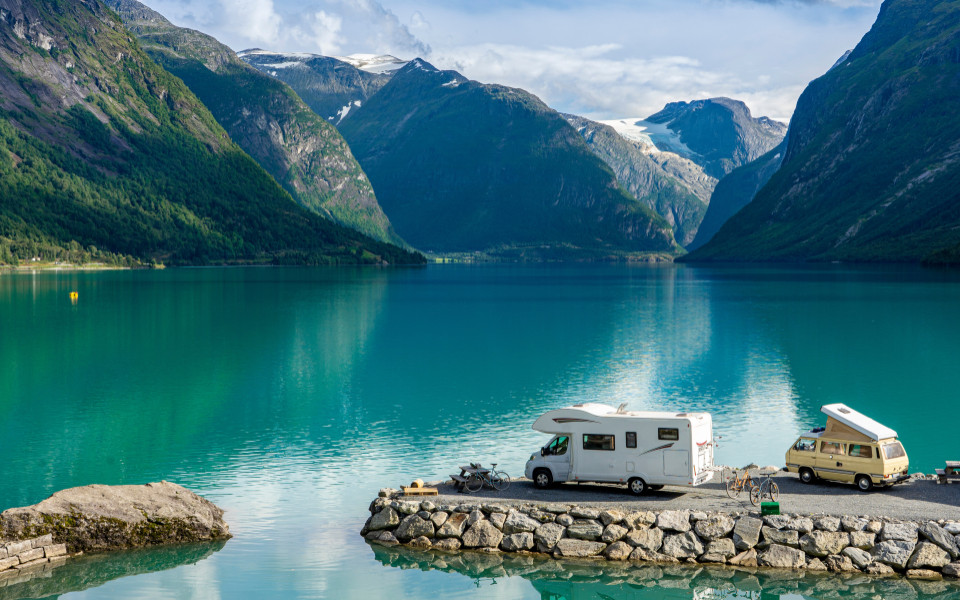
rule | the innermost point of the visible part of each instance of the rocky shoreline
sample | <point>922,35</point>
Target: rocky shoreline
<point>853,544</point>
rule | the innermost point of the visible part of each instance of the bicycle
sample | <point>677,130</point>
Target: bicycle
<point>735,484</point>
<point>493,477</point>
<point>768,487</point>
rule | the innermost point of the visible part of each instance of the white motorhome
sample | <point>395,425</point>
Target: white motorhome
<point>645,450</point>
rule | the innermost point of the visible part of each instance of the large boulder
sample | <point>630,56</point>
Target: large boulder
<point>861,558</point>
<point>454,526</point>
<point>906,532</point>
<point>682,545</point>
<point>928,555</point>
<point>641,519</point>
<point>482,534</point>
<point>863,539</point>
<point>648,539</point>
<point>714,527</point>
<point>674,520</point>
<point>613,533</point>
<point>103,517</point>
<point>830,524</point>
<point>579,548</point>
<point>895,553</point>
<point>518,523</point>
<point>939,536</point>
<point>723,547</point>
<point>618,551</point>
<point>784,538</point>
<point>547,535</point>
<point>782,557</point>
<point>385,519</point>
<point>585,529</point>
<point>517,541</point>
<point>746,533</point>
<point>824,543</point>
<point>414,526</point>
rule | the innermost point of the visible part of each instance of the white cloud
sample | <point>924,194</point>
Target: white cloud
<point>324,32</point>
<point>256,20</point>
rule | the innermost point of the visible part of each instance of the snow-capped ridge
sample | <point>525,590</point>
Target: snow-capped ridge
<point>373,63</point>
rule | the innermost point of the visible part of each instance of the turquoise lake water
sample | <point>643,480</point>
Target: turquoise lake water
<point>290,396</point>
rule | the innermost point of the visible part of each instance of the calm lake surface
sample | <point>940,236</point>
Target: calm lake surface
<point>290,396</point>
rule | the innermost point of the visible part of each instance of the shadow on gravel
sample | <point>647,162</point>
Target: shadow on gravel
<point>575,580</point>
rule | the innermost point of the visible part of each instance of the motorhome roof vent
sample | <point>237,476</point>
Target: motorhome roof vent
<point>845,411</point>
<point>681,414</point>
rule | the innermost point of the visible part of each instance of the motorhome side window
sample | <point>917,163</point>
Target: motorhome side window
<point>893,450</point>
<point>559,446</point>
<point>805,445</point>
<point>861,451</point>
<point>593,441</point>
<point>831,448</point>
<point>671,435</point>
<point>631,439</point>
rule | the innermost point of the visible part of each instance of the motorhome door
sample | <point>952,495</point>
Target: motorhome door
<point>558,457</point>
<point>676,463</point>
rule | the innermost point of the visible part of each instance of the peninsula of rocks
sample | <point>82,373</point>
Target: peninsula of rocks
<point>872,545</point>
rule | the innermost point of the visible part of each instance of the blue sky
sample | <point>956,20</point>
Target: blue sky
<point>601,58</point>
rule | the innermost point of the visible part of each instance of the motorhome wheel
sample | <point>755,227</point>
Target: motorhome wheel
<point>864,483</point>
<point>637,486</point>
<point>807,476</point>
<point>542,478</point>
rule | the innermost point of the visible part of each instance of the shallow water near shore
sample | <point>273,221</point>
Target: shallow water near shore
<point>290,396</point>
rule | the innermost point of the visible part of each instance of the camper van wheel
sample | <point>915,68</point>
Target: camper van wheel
<point>864,483</point>
<point>542,478</point>
<point>806,475</point>
<point>637,486</point>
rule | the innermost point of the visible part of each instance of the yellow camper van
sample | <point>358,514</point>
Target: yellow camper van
<point>852,448</point>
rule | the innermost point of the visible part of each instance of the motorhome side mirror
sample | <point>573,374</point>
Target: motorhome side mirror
<point>543,451</point>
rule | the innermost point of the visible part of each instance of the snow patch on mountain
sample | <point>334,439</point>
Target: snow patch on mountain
<point>655,137</point>
<point>373,63</point>
<point>343,112</point>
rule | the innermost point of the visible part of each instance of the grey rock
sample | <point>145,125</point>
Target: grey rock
<point>682,545</point>
<point>104,517</point>
<point>30,555</point>
<point>43,540</point>
<point>518,523</point>
<point>801,525</point>
<point>428,506</point>
<point>55,550</point>
<point>424,514</point>
<point>723,547</point>
<point>385,519</point>
<point>782,557</point>
<point>824,543</point>
<point>952,527</point>
<point>861,558</point>
<point>15,548</point>
<point>413,526</point>
<point>584,513</point>
<point>850,524</point>
<point>476,516</point>
<point>714,527</point>
<point>387,492</point>
<point>408,508</point>
<point>639,554</point>
<point>906,532</point>
<point>952,569</point>
<point>447,544</point>
<point>939,536</point>
<point>712,558</point>
<point>482,534</point>
<point>747,558</point>
<point>698,515</point>
<point>648,539</point>
<point>387,538</point>
<point>923,574</point>
<point>547,535</point>
<point>928,555</point>
<point>492,509</point>
<point>468,508</point>
<point>746,533</point>
<point>611,516</point>
<point>839,564</point>
<point>454,526</point>
<point>827,524</point>
<point>542,516</point>
<point>895,553</point>
<point>613,533</point>
<point>565,520</point>
<point>862,539</point>
<point>784,538</point>
<point>640,520</point>
<point>439,518</point>
<point>674,520</point>
<point>498,519</point>
<point>815,564</point>
<point>876,568</point>
<point>874,527</point>
<point>618,551</point>
<point>517,541</point>
<point>8,563</point>
<point>422,542</point>
<point>585,529</point>
<point>777,521</point>
<point>579,548</point>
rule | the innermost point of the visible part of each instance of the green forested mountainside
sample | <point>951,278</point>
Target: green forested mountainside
<point>871,170</point>
<point>644,178</point>
<point>303,152</point>
<point>735,191</point>
<point>102,150</point>
<point>462,166</point>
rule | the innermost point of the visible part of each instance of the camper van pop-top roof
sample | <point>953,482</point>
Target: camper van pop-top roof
<point>841,419</point>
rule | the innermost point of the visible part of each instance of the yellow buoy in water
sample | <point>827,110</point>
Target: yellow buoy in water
<point>74,296</point>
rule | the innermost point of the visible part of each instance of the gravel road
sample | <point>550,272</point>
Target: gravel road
<point>914,500</point>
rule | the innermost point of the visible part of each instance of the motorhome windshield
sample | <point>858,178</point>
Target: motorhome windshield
<point>558,446</point>
<point>893,450</point>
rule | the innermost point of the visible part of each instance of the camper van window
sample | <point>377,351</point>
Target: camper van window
<point>558,447</point>
<point>597,442</point>
<point>831,448</point>
<point>805,445</point>
<point>861,451</point>
<point>631,439</point>
<point>668,434</point>
<point>893,450</point>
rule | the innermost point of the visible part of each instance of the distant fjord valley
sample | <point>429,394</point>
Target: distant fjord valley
<point>127,140</point>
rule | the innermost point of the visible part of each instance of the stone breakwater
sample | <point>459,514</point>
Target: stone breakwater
<point>876,546</point>
<point>23,559</point>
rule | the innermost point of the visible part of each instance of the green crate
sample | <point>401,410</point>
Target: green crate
<point>769,508</point>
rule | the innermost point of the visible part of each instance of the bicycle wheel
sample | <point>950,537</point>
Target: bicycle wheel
<point>474,483</point>
<point>499,480</point>
<point>731,483</point>
<point>774,491</point>
<point>755,495</point>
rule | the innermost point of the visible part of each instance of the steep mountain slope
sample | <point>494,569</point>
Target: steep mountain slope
<point>645,178</point>
<point>872,165</point>
<point>102,151</point>
<point>719,134</point>
<point>735,191</point>
<point>305,154</point>
<point>331,86</point>
<point>463,166</point>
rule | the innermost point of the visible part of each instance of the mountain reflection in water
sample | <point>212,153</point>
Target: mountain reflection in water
<point>603,580</point>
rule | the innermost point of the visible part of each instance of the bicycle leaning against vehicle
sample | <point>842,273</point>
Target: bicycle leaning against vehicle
<point>477,477</point>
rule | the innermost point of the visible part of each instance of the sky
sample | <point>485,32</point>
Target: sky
<point>602,59</point>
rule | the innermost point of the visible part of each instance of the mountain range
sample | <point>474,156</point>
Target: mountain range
<point>871,167</point>
<point>106,156</point>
